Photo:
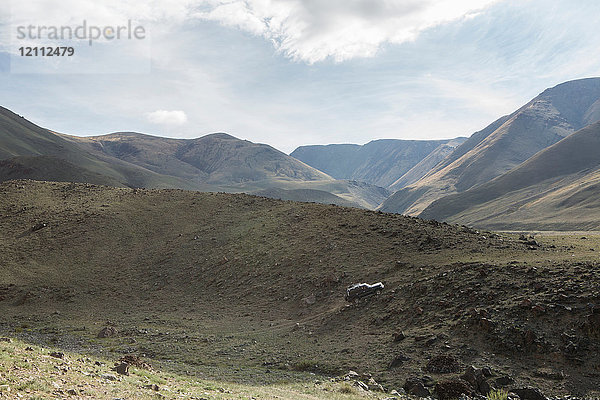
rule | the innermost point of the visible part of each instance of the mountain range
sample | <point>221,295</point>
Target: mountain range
<point>503,145</point>
<point>380,162</point>
<point>526,170</point>
<point>215,162</point>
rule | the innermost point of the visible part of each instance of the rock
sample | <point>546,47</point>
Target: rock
<point>57,354</point>
<point>39,226</point>
<point>477,378</point>
<point>361,385</point>
<point>398,361</point>
<point>374,386</point>
<point>107,331</point>
<point>398,393</point>
<point>310,300</point>
<point>486,325</point>
<point>452,389</point>
<point>351,375</point>
<point>72,392</point>
<point>399,336</point>
<point>122,369</point>
<point>504,380</point>
<point>442,365</point>
<point>428,381</point>
<point>415,387</point>
<point>529,393</point>
<point>135,361</point>
<point>109,377</point>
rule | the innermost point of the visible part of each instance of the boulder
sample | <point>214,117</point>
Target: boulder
<point>442,365</point>
<point>415,387</point>
<point>452,389</point>
<point>122,369</point>
<point>107,331</point>
<point>529,393</point>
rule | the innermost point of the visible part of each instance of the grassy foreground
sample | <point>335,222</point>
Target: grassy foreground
<point>31,372</point>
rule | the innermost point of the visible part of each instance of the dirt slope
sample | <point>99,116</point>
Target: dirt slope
<point>243,288</point>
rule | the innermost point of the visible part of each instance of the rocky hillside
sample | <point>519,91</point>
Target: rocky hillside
<point>380,162</point>
<point>505,144</point>
<point>248,289</point>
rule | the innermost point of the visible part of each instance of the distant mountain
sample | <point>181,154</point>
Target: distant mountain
<point>216,162</point>
<point>557,189</point>
<point>217,159</point>
<point>380,162</point>
<point>441,153</point>
<point>506,143</point>
<point>23,142</point>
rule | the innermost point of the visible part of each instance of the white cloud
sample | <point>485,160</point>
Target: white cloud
<point>314,30</point>
<point>303,30</point>
<point>164,117</point>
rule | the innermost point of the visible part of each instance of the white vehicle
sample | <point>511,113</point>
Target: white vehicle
<point>360,290</point>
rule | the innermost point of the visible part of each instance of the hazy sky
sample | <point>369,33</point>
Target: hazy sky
<point>293,72</point>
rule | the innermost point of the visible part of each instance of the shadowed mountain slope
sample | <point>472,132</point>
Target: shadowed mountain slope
<point>380,162</point>
<point>511,140</point>
<point>558,188</point>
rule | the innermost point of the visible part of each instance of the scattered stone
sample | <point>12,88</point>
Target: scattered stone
<point>428,381</point>
<point>310,300</point>
<point>28,348</point>
<point>135,361</point>
<point>477,378</point>
<point>4,389</point>
<point>529,393</point>
<point>351,375</point>
<point>109,377</point>
<point>550,374</point>
<point>39,226</point>
<point>398,361</point>
<point>5,340</point>
<point>57,354</point>
<point>122,368</point>
<point>415,387</point>
<point>72,392</point>
<point>374,386</point>
<point>486,325</point>
<point>154,387</point>
<point>504,380</point>
<point>452,389</point>
<point>107,331</point>
<point>399,336</point>
<point>442,365</point>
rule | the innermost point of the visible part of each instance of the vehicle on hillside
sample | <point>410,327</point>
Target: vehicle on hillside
<point>362,290</point>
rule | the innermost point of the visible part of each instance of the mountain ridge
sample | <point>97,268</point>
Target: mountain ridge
<point>511,140</point>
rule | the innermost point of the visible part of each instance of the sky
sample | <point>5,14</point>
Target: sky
<point>294,72</point>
